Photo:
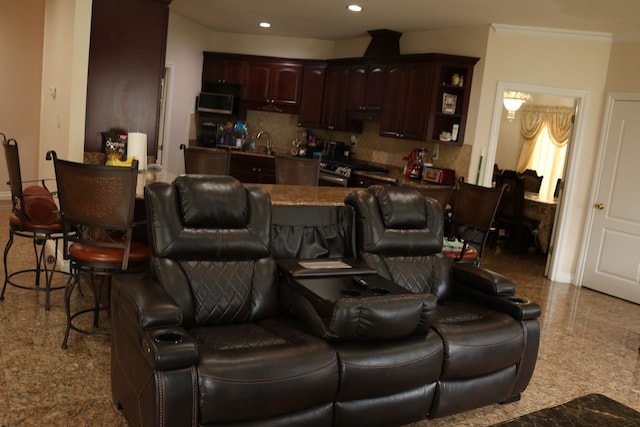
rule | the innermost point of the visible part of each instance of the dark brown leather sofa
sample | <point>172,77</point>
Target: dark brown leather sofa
<point>212,338</point>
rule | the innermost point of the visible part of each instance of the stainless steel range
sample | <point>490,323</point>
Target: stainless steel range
<point>338,174</point>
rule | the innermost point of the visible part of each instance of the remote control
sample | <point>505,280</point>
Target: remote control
<point>360,281</point>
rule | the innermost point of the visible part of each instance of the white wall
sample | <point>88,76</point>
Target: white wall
<point>65,62</point>
<point>20,83</point>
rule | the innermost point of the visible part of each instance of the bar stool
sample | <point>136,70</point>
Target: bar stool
<point>207,161</point>
<point>34,216</point>
<point>96,209</point>
<point>297,170</point>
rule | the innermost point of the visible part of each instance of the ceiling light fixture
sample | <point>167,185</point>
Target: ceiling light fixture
<point>265,25</point>
<point>354,8</point>
<point>513,101</point>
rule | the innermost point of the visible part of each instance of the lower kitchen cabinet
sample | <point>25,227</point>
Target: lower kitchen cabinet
<point>253,168</point>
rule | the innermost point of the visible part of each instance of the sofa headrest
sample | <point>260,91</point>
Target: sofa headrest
<point>212,201</point>
<point>400,207</point>
<point>205,217</point>
<point>396,221</point>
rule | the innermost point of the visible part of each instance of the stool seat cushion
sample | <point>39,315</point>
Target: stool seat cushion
<point>103,255</point>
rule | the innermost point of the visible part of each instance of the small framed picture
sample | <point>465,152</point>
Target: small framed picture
<point>449,103</point>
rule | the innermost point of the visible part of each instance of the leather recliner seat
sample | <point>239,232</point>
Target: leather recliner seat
<point>202,342</point>
<point>490,338</point>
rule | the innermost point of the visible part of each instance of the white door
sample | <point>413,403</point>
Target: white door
<point>612,261</point>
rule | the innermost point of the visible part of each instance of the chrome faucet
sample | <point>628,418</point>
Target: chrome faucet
<point>269,147</point>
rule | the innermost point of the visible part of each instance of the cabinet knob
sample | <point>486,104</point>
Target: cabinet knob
<point>599,206</point>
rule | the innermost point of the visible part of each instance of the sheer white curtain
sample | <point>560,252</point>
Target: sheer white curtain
<point>545,133</point>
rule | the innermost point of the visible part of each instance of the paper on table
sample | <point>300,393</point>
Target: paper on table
<point>317,265</point>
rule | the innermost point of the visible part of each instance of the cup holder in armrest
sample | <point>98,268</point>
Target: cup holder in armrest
<point>379,291</point>
<point>350,293</point>
<point>169,338</point>
<point>517,300</point>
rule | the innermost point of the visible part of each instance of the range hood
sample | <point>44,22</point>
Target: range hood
<point>383,43</point>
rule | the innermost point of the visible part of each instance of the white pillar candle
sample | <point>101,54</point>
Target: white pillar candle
<point>137,147</point>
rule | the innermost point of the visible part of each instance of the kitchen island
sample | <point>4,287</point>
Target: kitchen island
<point>291,195</point>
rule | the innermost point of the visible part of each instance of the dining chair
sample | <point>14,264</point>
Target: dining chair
<point>96,210</point>
<point>445,196</point>
<point>297,170</point>
<point>510,222</point>
<point>206,161</point>
<point>472,220</point>
<point>532,180</point>
<point>34,215</point>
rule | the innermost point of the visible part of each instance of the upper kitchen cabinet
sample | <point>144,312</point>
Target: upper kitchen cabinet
<point>426,98</point>
<point>366,91</point>
<point>310,113</point>
<point>450,99</point>
<point>406,100</point>
<point>334,104</point>
<point>273,85</point>
<point>222,68</point>
<point>126,69</point>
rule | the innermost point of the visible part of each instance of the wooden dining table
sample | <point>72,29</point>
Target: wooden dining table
<point>543,211</point>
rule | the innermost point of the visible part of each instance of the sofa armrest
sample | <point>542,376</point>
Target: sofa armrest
<point>167,349</point>
<point>484,280</point>
<point>146,304</point>
<point>492,290</point>
<point>154,320</point>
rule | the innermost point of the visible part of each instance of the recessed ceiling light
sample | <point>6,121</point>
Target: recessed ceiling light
<point>354,8</point>
<point>265,25</point>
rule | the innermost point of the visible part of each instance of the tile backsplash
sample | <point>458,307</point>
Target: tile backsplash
<point>371,147</point>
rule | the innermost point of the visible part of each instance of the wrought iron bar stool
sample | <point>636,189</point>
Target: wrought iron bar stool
<point>34,215</point>
<point>97,210</point>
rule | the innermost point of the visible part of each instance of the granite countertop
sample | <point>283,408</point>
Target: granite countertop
<point>291,195</point>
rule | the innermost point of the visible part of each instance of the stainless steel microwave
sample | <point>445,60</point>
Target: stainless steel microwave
<point>220,103</point>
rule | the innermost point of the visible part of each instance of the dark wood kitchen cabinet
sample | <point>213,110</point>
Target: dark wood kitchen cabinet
<point>334,104</point>
<point>222,68</point>
<point>406,100</point>
<point>126,69</point>
<point>446,118</point>
<point>273,86</point>
<point>366,91</point>
<point>310,113</point>
<point>252,168</point>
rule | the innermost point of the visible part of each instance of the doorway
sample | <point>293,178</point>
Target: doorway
<point>571,97</point>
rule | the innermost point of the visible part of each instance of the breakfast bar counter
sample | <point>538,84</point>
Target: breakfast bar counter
<point>290,195</point>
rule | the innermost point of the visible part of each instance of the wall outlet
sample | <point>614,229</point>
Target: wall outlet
<point>436,152</point>
<point>354,141</point>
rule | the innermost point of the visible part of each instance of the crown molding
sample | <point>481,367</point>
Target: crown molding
<point>552,33</point>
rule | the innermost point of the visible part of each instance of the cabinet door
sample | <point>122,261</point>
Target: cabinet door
<point>357,87</point>
<point>366,87</point>
<point>252,169</point>
<point>406,103</point>
<point>257,82</point>
<point>217,69</point>
<point>311,96</point>
<point>394,101</point>
<point>374,95</point>
<point>286,84</point>
<point>234,71</point>
<point>417,102</point>
<point>334,106</point>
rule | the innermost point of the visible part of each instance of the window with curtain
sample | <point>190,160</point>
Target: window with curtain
<point>545,135</point>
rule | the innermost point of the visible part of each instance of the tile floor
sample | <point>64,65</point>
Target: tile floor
<point>589,344</point>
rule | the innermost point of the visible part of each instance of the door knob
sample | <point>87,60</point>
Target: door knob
<point>599,206</point>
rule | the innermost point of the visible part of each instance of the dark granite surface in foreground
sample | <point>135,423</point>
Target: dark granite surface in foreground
<point>590,410</point>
